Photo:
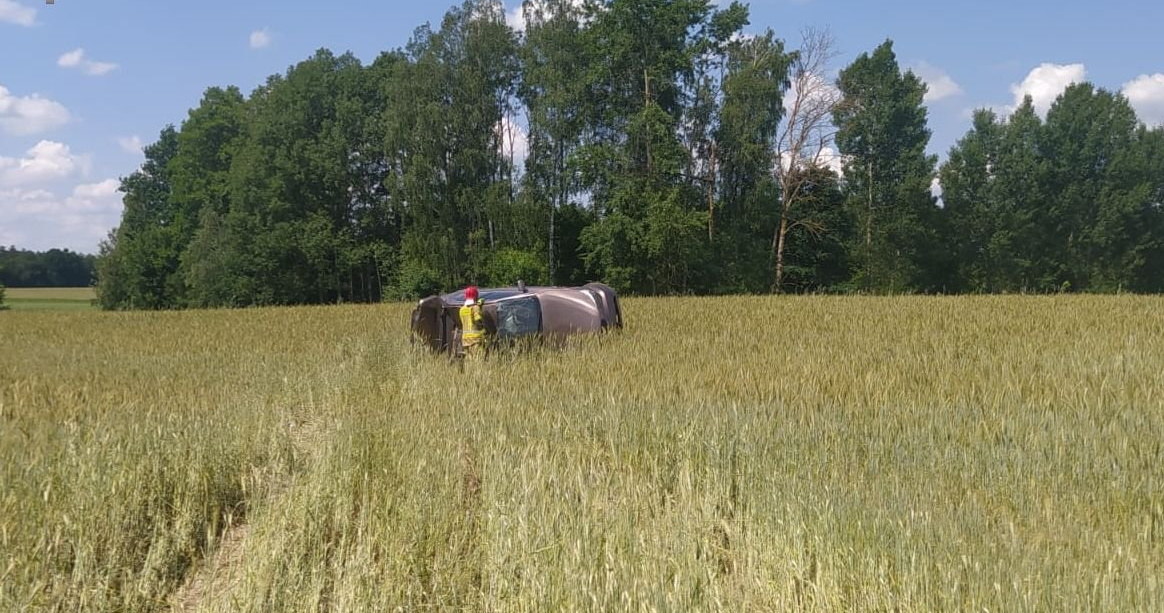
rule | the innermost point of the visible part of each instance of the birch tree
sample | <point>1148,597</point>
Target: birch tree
<point>804,141</point>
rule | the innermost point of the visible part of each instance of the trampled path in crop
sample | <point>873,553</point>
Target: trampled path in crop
<point>221,571</point>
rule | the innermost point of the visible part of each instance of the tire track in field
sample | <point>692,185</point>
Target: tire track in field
<point>309,426</point>
<point>220,571</point>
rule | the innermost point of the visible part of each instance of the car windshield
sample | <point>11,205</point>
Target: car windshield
<point>518,317</point>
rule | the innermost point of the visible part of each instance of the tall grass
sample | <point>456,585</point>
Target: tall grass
<point>815,454</point>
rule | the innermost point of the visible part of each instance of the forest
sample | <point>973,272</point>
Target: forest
<point>52,268</point>
<point>648,144</point>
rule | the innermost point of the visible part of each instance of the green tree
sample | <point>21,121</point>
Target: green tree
<point>1018,247</point>
<point>1093,208</point>
<point>816,257</point>
<point>1070,203</point>
<point>650,229</point>
<point>300,221</point>
<point>981,230</point>
<point>755,78</point>
<point>553,65</point>
<point>667,154</point>
<point>1147,164</point>
<point>200,176</point>
<point>804,139</point>
<point>443,138</point>
<point>136,263</point>
<point>1127,235</point>
<point>882,133</point>
<point>52,268</point>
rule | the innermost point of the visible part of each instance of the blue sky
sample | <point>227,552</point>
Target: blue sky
<point>84,83</point>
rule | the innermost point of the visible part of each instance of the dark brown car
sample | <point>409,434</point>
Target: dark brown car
<point>512,313</point>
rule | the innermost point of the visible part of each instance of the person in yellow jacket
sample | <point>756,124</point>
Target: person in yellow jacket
<point>472,325</point>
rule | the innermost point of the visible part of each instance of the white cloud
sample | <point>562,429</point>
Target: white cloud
<point>71,59</point>
<point>85,194</point>
<point>24,115</point>
<point>23,201</point>
<point>1146,95</point>
<point>45,162</point>
<point>97,69</point>
<point>515,16</point>
<point>817,90</point>
<point>14,12</point>
<point>39,219</point>
<point>131,144</point>
<point>805,131</point>
<point>939,85</point>
<point>833,160</point>
<point>1044,83</point>
<point>76,59</point>
<point>828,157</point>
<point>260,39</point>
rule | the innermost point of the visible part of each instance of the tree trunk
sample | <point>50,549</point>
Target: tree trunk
<point>556,201</point>
<point>711,194</point>
<point>647,102</point>
<point>869,216</point>
<point>781,237</point>
<point>869,234</point>
<point>553,210</point>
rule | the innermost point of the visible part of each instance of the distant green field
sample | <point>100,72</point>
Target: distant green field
<point>49,298</point>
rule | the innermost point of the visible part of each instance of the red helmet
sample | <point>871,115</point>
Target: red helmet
<point>471,292</point>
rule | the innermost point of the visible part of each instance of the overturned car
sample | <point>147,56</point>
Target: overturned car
<point>513,313</point>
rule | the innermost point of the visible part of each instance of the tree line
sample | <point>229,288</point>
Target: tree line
<point>661,150</point>
<point>52,268</point>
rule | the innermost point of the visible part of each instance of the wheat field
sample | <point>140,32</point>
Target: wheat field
<point>720,454</point>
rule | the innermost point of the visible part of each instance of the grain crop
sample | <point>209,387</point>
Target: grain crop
<point>994,453</point>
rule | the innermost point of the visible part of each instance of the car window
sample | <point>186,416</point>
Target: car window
<point>518,317</point>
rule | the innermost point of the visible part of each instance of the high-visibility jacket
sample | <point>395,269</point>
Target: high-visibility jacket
<point>472,325</point>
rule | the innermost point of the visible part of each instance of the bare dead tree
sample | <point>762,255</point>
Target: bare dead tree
<point>805,135</point>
